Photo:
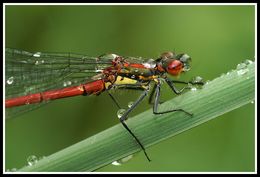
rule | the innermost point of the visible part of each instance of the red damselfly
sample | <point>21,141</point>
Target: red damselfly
<point>33,79</point>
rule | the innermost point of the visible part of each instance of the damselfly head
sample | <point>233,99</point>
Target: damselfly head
<point>186,60</point>
<point>174,67</point>
<point>176,64</point>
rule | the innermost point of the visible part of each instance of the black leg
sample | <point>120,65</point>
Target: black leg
<point>191,82</point>
<point>152,94</point>
<point>114,100</point>
<point>156,103</point>
<point>124,117</point>
<point>174,89</point>
<point>150,101</point>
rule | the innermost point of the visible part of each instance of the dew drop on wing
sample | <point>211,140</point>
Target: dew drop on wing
<point>10,80</point>
<point>37,54</point>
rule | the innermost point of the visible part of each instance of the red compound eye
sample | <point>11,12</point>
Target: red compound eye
<point>175,67</point>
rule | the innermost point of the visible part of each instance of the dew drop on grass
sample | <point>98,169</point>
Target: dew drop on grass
<point>32,160</point>
<point>252,102</point>
<point>248,62</point>
<point>193,89</point>
<point>40,158</point>
<point>122,161</point>
<point>242,69</point>
<point>120,113</point>
<point>116,163</point>
<point>197,79</point>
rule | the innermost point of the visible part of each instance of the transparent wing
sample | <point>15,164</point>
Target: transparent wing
<point>28,73</point>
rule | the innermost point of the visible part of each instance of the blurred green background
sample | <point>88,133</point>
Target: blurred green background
<point>216,37</point>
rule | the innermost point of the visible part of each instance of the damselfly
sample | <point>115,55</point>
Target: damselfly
<point>33,79</point>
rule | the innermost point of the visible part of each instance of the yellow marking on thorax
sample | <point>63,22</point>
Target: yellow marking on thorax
<point>122,80</point>
<point>148,78</point>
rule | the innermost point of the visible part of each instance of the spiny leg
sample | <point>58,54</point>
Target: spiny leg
<point>122,86</point>
<point>157,99</point>
<point>124,117</point>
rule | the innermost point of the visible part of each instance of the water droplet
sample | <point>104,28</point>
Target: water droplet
<point>252,102</point>
<point>242,69</point>
<point>207,82</point>
<point>120,113</point>
<point>65,84</point>
<point>32,160</point>
<point>40,158</point>
<point>69,82</point>
<point>116,163</point>
<point>108,56</point>
<point>130,104</point>
<point>122,161</point>
<point>37,62</point>
<point>241,66</point>
<point>197,79</point>
<point>10,80</point>
<point>37,54</point>
<point>42,61</point>
<point>247,62</point>
<point>193,89</point>
<point>150,63</point>
<point>136,70</point>
<point>133,76</point>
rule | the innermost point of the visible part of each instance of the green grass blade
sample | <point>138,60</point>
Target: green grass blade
<point>219,96</point>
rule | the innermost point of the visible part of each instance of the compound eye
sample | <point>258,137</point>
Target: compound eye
<point>167,55</point>
<point>174,67</point>
<point>186,60</point>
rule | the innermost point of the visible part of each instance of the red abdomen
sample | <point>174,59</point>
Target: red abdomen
<point>90,88</point>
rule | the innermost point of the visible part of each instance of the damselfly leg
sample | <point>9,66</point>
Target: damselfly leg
<point>114,100</point>
<point>157,98</point>
<point>126,113</point>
